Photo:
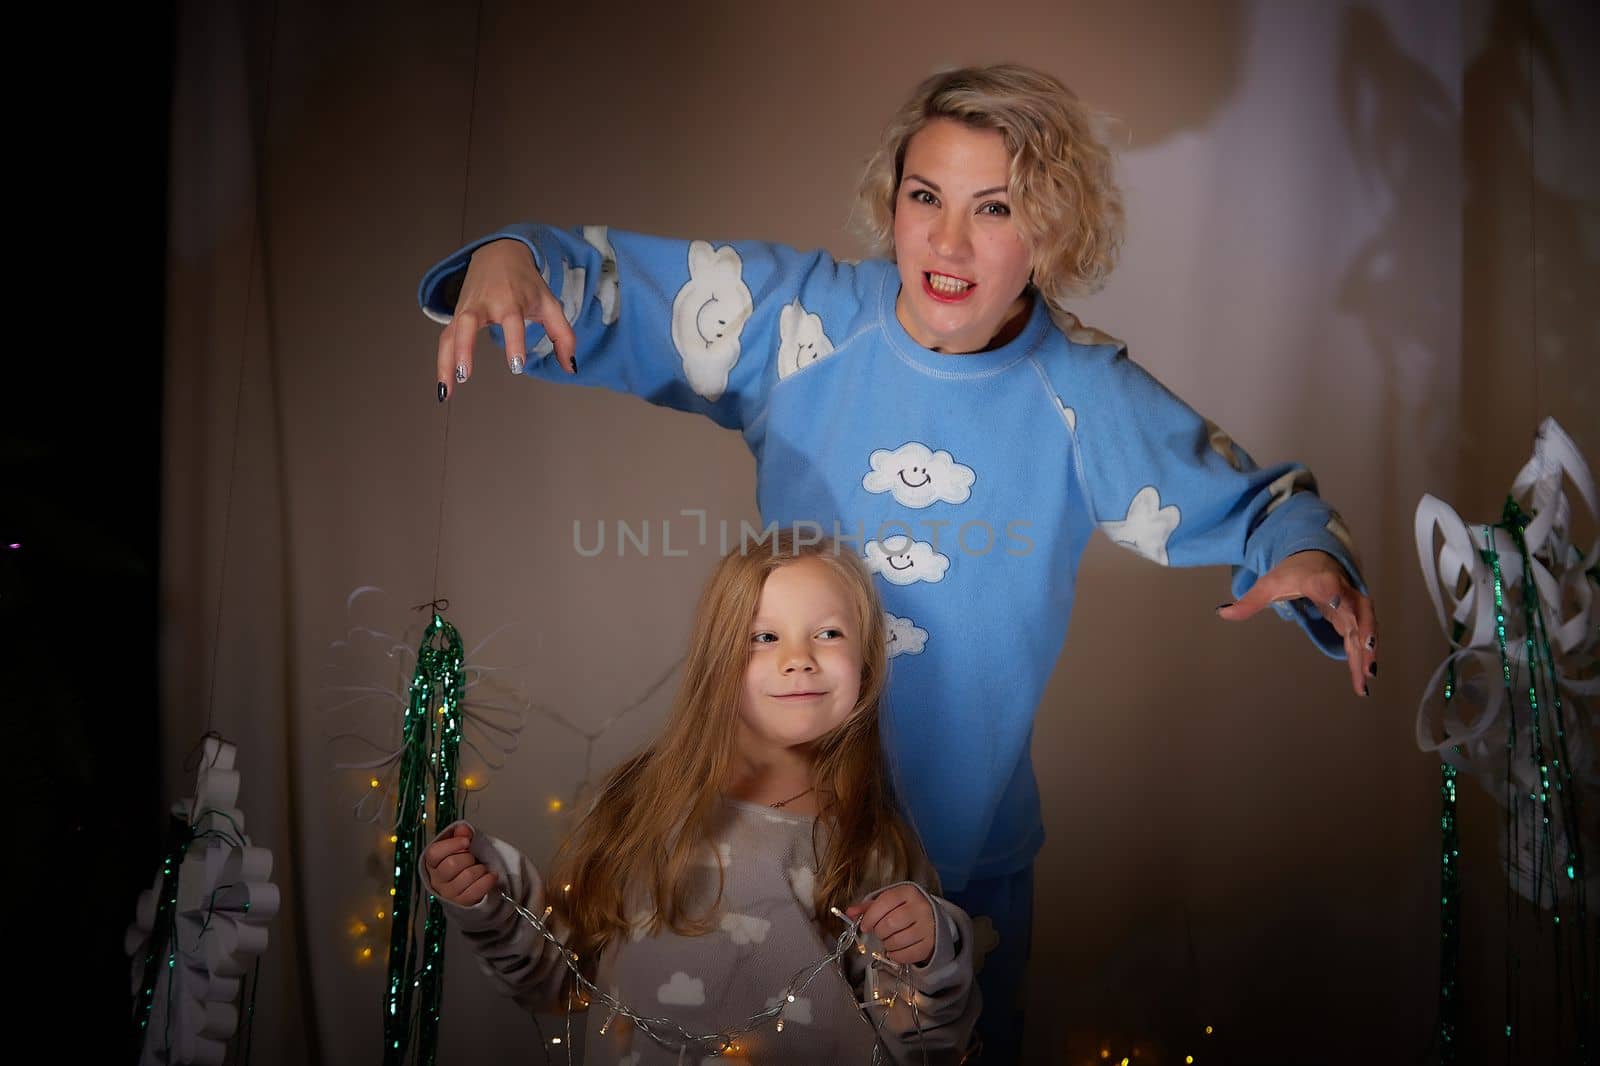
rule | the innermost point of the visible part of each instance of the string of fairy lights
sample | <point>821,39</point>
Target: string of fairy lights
<point>674,1037</point>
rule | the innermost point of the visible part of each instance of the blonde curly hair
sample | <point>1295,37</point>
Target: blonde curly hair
<point>1064,195</point>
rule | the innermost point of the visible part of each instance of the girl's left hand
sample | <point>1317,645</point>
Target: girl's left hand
<point>1318,577</point>
<point>902,920</point>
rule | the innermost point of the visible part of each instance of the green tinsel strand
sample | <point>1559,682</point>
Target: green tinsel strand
<point>431,745</point>
<point>1449,913</point>
<point>162,945</point>
<point>1513,834</point>
<point>1542,667</point>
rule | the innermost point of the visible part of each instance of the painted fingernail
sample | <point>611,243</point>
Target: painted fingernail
<point>574,364</point>
<point>516,364</point>
<point>1366,690</point>
<point>1372,668</point>
<point>1372,641</point>
<point>1220,606</point>
<point>442,392</point>
<point>461,373</point>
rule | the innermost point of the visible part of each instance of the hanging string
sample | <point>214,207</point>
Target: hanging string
<point>1533,200</point>
<point>466,189</point>
<point>257,143</point>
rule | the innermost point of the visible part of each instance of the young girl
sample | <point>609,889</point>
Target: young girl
<point>704,876</point>
<point>944,411</point>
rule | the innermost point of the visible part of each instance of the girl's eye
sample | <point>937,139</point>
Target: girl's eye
<point>995,207</point>
<point>833,633</point>
<point>763,638</point>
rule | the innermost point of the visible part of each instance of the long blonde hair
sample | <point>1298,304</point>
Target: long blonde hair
<point>1062,185</point>
<point>652,819</point>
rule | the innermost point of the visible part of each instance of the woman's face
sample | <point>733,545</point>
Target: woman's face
<point>963,262</point>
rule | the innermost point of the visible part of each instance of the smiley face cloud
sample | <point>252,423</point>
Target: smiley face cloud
<point>708,315</point>
<point>801,341</point>
<point>903,561</point>
<point>902,636</point>
<point>918,476</point>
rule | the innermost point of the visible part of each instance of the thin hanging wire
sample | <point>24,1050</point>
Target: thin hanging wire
<point>466,189</point>
<point>258,173</point>
<point>1533,216</point>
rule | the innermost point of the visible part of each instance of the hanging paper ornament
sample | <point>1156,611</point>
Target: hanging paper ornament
<point>198,928</point>
<point>1516,600</point>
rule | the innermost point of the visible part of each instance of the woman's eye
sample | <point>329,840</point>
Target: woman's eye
<point>923,196</point>
<point>995,207</point>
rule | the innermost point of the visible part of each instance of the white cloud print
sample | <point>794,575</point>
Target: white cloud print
<point>745,928</point>
<point>804,883</point>
<point>918,476</point>
<point>801,340</point>
<point>1147,526</point>
<point>572,282</point>
<point>903,561</point>
<point>708,314</point>
<point>902,636</point>
<point>1068,413</point>
<point>682,991</point>
<point>608,292</point>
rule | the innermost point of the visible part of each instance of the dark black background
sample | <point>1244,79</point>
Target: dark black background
<point>80,491</point>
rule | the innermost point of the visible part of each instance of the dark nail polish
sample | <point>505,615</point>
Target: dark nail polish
<point>442,392</point>
<point>574,364</point>
<point>1372,668</point>
<point>1220,606</point>
<point>1366,690</point>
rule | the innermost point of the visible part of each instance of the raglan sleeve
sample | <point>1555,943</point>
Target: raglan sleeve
<point>694,325</point>
<point>923,1012</point>
<point>520,960</point>
<point>1169,484</point>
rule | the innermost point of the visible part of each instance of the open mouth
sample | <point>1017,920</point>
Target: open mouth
<point>946,287</point>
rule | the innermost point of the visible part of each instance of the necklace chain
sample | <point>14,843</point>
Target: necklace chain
<point>791,799</point>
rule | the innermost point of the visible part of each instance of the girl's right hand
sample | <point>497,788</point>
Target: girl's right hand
<point>456,874</point>
<point>504,288</point>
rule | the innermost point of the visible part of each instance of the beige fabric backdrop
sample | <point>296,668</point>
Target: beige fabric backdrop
<point>1234,839</point>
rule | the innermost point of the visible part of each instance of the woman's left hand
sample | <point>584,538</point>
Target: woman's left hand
<point>1318,577</point>
<point>901,919</point>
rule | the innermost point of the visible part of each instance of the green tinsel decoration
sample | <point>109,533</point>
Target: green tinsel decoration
<point>1555,788</point>
<point>432,741</point>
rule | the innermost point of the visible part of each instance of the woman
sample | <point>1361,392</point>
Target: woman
<point>945,413</point>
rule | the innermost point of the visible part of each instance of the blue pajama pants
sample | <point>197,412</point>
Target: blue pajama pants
<point>1002,917</point>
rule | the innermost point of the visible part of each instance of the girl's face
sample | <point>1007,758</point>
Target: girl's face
<point>963,263</point>
<point>804,675</point>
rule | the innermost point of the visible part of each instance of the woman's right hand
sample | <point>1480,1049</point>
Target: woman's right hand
<point>454,872</point>
<point>502,287</point>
